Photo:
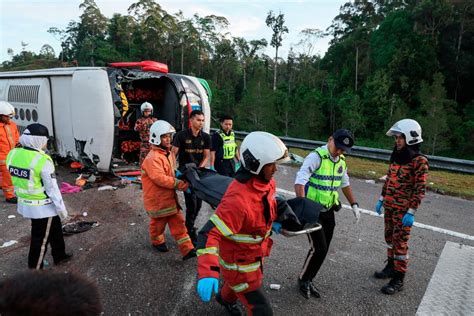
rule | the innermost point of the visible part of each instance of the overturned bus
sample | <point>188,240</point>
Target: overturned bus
<point>91,111</point>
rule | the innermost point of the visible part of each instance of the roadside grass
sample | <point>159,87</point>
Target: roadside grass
<point>443,182</point>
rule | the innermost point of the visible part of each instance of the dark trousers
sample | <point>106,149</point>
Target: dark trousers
<point>319,242</point>
<point>255,301</point>
<point>45,231</point>
<point>225,167</point>
<point>193,206</point>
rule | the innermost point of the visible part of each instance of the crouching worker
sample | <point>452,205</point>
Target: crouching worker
<point>159,195</point>
<point>236,239</point>
<point>39,198</point>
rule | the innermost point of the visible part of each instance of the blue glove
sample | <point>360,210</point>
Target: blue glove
<point>378,207</point>
<point>408,220</point>
<point>276,227</point>
<point>237,166</point>
<point>188,191</point>
<point>206,286</point>
<point>178,173</point>
<point>212,168</point>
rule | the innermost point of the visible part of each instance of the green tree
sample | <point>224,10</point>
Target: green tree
<point>277,24</point>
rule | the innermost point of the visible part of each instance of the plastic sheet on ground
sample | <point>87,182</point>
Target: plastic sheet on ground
<point>78,227</point>
<point>8,243</point>
<point>66,188</point>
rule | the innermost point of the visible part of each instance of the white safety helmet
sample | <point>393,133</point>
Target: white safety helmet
<point>408,127</point>
<point>6,108</point>
<point>261,148</point>
<point>159,128</point>
<point>146,106</point>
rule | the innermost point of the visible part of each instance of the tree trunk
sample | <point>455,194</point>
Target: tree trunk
<point>275,70</point>
<point>357,68</point>
<point>458,52</point>
<point>245,77</point>
<point>182,58</point>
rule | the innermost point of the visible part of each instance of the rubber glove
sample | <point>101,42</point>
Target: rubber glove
<point>276,227</point>
<point>356,212</point>
<point>178,174</point>
<point>237,166</point>
<point>379,205</point>
<point>408,219</point>
<point>188,191</point>
<point>212,168</point>
<point>206,286</point>
<point>62,214</point>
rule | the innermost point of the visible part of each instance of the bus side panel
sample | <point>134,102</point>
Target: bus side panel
<point>93,115</point>
<point>205,106</point>
<point>63,117</point>
<point>31,98</point>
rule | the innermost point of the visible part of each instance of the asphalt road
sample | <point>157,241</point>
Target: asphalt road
<point>136,280</point>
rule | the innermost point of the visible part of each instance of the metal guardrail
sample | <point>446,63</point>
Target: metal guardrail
<point>442,163</point>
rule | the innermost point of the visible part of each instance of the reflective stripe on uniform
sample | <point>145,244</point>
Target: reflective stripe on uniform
<point>163,212</point>
<point>400,257</point>
<point>35,202</point>
<point>2,162</point>
<point>183,240</point>
<point>242,268</point>
<point>327,178</point>
<point>240,287</point>
<point>208,251</point>
<point>10,136</point>
<point>43,244</point>
<point>221,226</point>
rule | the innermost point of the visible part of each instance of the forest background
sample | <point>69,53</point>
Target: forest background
<point>387,60</point>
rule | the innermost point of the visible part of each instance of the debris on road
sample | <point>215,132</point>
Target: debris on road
<point>370,181</point>
<point>106,188</point>
<point>11,216</point>
<point>275,287</point>
<point>66,188</point>
<point>8,243</point>
<point>78,227</point>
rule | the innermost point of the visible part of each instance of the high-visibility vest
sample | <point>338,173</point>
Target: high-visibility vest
<point>229,144</point>
<point>25,169</point>
<point>326,180</point>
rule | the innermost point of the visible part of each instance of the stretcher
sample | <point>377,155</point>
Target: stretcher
<point>298,216</point>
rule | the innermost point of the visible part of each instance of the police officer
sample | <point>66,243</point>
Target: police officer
<point>323,172</point>
<point>192,146</point>
<point>401,196</point>
<point>39,198</point>
<point>224,151</point>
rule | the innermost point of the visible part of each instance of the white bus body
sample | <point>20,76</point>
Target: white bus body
<point>77,106</point>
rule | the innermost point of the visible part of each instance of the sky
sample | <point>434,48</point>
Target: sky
<point>28,20</point>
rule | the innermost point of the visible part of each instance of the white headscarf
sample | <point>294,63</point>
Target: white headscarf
<point>35,142</point>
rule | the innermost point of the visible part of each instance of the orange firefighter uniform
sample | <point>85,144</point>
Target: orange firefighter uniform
<point>9,137</point>
<point>161,201</point>
<point>236,239</point>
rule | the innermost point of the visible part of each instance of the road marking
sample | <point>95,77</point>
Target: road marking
<point>417,224</point>
<point>450,291</point>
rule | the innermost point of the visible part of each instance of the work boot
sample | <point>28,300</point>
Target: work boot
<point>387,272</point>
<point>64,258</point>
<point>395,285</point>
<point>232,308</point>
<point>161,247</point>
<point>307,288</point>
<point>12,200</point>
<point>190,254</point>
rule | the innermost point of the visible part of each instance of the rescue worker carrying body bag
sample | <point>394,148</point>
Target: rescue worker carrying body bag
<point>236,239</point>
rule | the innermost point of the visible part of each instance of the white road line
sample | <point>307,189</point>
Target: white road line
<point>417,224</point>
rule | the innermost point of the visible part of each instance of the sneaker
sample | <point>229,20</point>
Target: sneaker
<point>190,254</point>
<point>161,247</point>
<point>232,308</point>
<point>64,258</point>
<point>13,200</point>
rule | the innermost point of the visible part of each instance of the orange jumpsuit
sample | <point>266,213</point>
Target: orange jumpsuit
<point>9,137</point>
<point>236,240</point>
<point>161,201</point>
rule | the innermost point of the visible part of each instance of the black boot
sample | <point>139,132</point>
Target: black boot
<point>232,308</point>
<point>64,258</point>
<point>190,254</point>
<point>307,289</point>
<point>387,272</point>
<point>161,247</point>
<point>395,285</point>
<point>13,200</point>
